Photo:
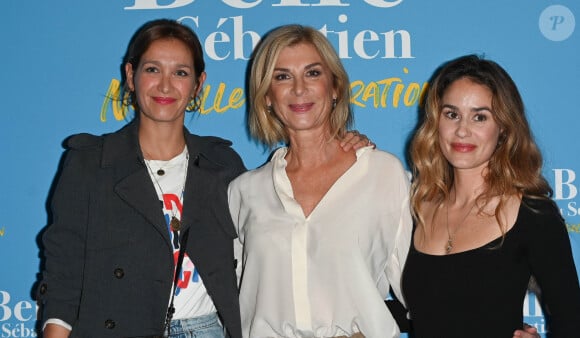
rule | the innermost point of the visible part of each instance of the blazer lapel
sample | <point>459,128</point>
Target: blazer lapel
<point>138,191</point>
<point>134,185</point>
<point>191,199</point>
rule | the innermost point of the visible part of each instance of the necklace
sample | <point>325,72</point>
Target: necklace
<point>449,245</point>
<point>174,223</point>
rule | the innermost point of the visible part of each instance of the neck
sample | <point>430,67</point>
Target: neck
<point>310,150</point>
<point>162,142</point>
<point>467,186</point>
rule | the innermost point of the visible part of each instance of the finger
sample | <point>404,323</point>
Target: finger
<point>532,330</point>
<point>528,332</point>
<point>348,137</point>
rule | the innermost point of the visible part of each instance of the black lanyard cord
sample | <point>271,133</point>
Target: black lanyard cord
<point>171,308</point>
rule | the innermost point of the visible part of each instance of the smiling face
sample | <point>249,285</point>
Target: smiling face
<point>468,132</point>
<point>164,81</point>
<point>301,91</point>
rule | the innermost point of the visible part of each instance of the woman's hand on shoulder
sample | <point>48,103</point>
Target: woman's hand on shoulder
<point>355,140</point>
<point>527,332</point>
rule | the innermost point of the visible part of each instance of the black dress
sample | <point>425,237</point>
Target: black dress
<point>480,292</point>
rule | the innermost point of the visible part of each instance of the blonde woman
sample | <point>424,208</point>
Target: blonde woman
<point>323,232</point>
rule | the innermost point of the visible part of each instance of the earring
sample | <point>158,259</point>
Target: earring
<point>333,102</point>
<point>193,104</point>
<point>269,108</point>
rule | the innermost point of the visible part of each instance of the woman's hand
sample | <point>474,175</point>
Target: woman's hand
<point>55,331</point>
<point>355,140</point>
<point>528,332</point>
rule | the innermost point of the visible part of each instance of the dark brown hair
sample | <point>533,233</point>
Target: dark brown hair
<point>141,41</point>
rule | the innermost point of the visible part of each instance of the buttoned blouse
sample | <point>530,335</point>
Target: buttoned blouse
<point>326,274</point>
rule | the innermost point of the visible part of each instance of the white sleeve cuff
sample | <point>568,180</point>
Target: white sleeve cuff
<point>57,322</point>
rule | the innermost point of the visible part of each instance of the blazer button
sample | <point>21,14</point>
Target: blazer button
<point>119,273</point>
<point>42,289</point>
<point>109,324</point>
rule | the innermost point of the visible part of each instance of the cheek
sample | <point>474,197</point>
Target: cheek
<point>444,130</point>
<point>492,137</point>
<point>142,83</point>
<point>276,97</point>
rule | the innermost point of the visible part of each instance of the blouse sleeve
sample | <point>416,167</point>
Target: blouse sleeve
<point>234,202</point>
<point>552,264</point>
<point>400,250</point>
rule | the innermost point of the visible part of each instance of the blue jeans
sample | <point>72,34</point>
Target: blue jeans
<point>207,326</point>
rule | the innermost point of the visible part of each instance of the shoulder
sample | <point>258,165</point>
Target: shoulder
<point>86,141</point>
<point>83,141</point>
<point>82,151</point>
<point>107,148</point>
<point>255,177</point>
<point>386,163</point>
<point>383,157</point>
<point>541,216</point>
<point>215,153</point>
<point>540,207</point>
<point>211,147</point>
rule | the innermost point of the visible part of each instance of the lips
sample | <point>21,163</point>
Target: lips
<point>164,100</point>
<point>463,147</point>
<point>301,107</point>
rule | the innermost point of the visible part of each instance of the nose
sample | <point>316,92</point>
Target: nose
<point>462,128</point>
<point>164,83</point>
<point>298,86</point>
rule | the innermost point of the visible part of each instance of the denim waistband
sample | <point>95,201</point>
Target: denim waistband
<point>191,324</point>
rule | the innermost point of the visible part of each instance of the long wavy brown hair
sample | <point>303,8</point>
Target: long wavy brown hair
<point>515,166</point>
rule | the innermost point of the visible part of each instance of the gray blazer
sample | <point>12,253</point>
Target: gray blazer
<point>109,262</point>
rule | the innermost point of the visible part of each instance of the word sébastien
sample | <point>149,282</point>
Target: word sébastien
<point>367,44</point>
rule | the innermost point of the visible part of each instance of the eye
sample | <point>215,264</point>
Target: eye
<point>182,73</point>
<point>313,73</point>
<point>479,118</point>
<point>451,114</point>
<point>151,69</point>
<point>281,76</point>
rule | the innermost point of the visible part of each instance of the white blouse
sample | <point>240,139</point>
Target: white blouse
<point>327,274</point>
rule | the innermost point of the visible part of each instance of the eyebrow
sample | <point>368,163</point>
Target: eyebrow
<point>158,63</point>
<point>312,65</point>
<point>475,109</point>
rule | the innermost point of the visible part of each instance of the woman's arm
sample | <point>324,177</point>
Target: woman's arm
<point>64,242</point>
<point>550,257</point>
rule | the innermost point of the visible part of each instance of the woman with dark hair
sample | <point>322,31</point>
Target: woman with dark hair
<point>141,240</point>
<point>484,219</point>
<point>132,205</point>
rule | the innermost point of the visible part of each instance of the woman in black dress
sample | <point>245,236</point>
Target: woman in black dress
<point>484,219</point>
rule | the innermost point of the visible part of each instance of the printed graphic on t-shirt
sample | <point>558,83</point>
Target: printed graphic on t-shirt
<point>191,298</point>
<point>172,206</point>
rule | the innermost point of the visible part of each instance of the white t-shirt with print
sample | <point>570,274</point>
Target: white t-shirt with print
<point>191,297</point>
